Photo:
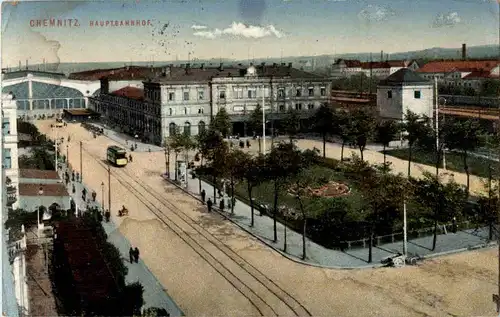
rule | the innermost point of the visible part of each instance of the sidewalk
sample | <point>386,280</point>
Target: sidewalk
<point>353,258</point>
<point>154,294</point>
<point>126,141</point>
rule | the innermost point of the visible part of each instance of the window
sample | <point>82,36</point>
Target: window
<point>311,91</point>
<point>281,93</point>
<point>170,111</point>
<point>187,128</point>
<point>238,93</point>
<point>7,161</point>
<point>252,93</point>
<point>171,96</point>
<point>310,106</point>
<point>201,95</point>
<point>298,106</point>
<point>186,95</point>
<point>200,111</point>
<point>222,94</point>
<point>6,127</point>
<point>389,94</point>
<point>416,94</point>
<point>323,91</point>
<point>185,110</point>
<point>298,92</point>
<point>282,107</point>
<point>201,126</point>
<point>172,129</point>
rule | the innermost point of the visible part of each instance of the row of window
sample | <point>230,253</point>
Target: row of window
<point>186,95</point>
<point>7,159</point>
<point>186,111</point>
<point>417,94</point>
<point>172,128</point>
<point>51,104</point>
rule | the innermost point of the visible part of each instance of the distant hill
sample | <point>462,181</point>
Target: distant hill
<point>308,62</point>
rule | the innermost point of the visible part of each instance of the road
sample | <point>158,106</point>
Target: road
<point>212,268</point>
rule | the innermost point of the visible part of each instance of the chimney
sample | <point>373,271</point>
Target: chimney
<point>104,85</point>
<point>274,65</point>
<point>26,64</point>
<point>289,65</point>
<point>202,66</point>
<point>187,68</point>
<point>221,66</point>
<point>464,52</point>
<point>20,65</point>
<point>381,56</point>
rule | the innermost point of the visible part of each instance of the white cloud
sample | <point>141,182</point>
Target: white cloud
<point>239,29</point>
<point>374,13</point>
<point>199,27</point>
<point>448,19</point>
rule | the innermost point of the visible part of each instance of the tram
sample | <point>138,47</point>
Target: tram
<point>117,155</point>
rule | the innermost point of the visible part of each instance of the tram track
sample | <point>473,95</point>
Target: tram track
<point>263,294</point>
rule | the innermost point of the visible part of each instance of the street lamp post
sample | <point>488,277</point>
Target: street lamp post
<point>40,194</point>
<point>109,188</point>
<point>102,195</point>
<point>443,101</point>
<point>81,162</point>
<point>167,161</point>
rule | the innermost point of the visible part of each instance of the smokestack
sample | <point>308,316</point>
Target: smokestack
<point>221,66</point>
<point>381,56</point>
<point>20,65</point>
<point>26,64</point>
<point>188,66</point>
<point>464,52</point>
<point>289,65</point>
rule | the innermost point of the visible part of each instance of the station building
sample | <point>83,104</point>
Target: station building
<point>188,97</point>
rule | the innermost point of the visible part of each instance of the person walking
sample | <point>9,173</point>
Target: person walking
<point>221,205</point>
<point>209,204</point>
<point>136,255</point>
<point>131,255</point>
<point>203,195</point>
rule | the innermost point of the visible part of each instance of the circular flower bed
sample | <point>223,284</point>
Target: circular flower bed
<point>329,190</point>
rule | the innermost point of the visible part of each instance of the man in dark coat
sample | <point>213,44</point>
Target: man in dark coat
<point>209,204</point>
<point>131,255</point>
<point>136,255</point>
<point>203,195</point>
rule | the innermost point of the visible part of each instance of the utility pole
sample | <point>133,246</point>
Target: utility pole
<point>496,298</point>
<point>109,188</point>
<point>371,72</point>
<point>263,120</point>
<point>81,162</point>
<point>55,144</point>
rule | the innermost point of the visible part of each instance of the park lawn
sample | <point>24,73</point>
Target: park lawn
<point>478,166</point>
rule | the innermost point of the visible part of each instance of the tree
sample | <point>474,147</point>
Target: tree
<point>490,87</point>
<point>363,128</point>
<point>199,156</point>
<point>464,136</point>
<point>412,127</point>
<point>255,123</point>
<point>155,312</point>
<point>443,201</point>
<point>215,151</point>
<point>251,170</point>
<point>303,181</point>
<point>345,130</point>
<point>323,123</point>
<point>235,162</point>
<point>221,122</point>
<point>292,124</point>
<point>282,163</point>
<point>386,132</point>
<point>433,141</point>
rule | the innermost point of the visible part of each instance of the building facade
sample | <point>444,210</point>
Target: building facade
<point>10,149</point>
<point>347,68</point>
<point>405,91</point>
<point>188,97</point>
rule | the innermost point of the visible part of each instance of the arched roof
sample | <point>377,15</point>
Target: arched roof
<point>42,91</point>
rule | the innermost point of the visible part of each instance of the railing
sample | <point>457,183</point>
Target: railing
<point>470,100</point>
<point>413,234</point>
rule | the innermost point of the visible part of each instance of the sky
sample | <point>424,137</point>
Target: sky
<point>238,29</point>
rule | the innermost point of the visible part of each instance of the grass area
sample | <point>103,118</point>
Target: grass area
<point>478,166</point>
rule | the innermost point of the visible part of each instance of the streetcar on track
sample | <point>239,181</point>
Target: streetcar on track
<point>116,155</point>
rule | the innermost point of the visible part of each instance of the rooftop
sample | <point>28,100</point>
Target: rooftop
<point>205,74</point>
<point>38,174</point>
<point>449,66</point>
<point>24,73</point>
<point>403,76</point>
<point>130,92</point>
<point>123,73</point>
<point>80,112</point>
<point>480,74</point>
<point>48,190</point>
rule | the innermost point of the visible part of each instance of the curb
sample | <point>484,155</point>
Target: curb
<point>451,252</point>
<point>286,255</point>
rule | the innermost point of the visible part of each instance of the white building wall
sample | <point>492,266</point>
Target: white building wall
<point>403,99</point>
<point>10,139</point>
<point>119,84</point>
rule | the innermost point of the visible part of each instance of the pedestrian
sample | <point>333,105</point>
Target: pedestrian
<point>221,205</point>
<point>209,205</point>
<point>130,158</point>
<point>136,255</point>
<point>203,195</point>
<point>248,144</point>
<point>131,255</point>
<point>219,192</point>
<point>454,225</point>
